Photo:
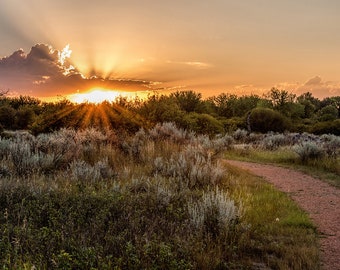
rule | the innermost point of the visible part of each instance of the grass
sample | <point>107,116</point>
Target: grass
<point>136,213</point>
<point>281,233</point>
<point>325,168</point>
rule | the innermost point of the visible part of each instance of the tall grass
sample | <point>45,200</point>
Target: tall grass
<point>160,199</point>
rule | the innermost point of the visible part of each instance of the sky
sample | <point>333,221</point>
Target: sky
<point>58,48</point>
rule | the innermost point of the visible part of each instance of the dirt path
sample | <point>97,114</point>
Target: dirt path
<point>317,198</point>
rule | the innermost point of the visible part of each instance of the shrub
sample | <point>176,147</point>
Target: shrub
<point>84,172</point>
<point>191,168</point>
<point>265,120</point>
<point>328,127</point>
<point>331,144</point>
<point>213,213</point>
<point>273,142</point>
<point>240,135</point>
<point>170,131</point>
<point>203,124</point>
<point>309,150</point>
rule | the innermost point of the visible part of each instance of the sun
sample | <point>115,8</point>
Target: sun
<point>95,95</point>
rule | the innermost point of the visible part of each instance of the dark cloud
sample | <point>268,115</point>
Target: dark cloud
<point>43,72</point>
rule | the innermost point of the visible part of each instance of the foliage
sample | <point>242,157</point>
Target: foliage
<point>213,213</point>
<point>273,141</point>
<point>188,101</point>
<point>308,150</point>
<point>265,120</point>
<point>328,113</point>
<point>313,154</point>
<point>202,123</point>
<point>7,115</point>
<point>280,99</point>
<point>90,199</point>
<point>218,114</point>
<point>328,127</point>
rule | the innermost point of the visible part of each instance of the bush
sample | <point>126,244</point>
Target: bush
<point>213,213</point>
<point>308,151</point>
<point>265,120</point>
<point>191,168</point>
<point>240,135</point>
<point>331,144</point>
<point>328,127</point>
<point>203,124</point>
<point>273,142</point>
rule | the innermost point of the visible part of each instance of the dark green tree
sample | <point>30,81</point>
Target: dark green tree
<point>188,101</point>
<point>7,116</point>
<point>328,113</point>
<point>161,109</point>
<point>225,104</point>
<point>265,120</point>
<point>310,103</point>
<point>24,117</point>
<point>281,99</point>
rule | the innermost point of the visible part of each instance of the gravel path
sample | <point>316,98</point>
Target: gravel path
<point>317,198</point>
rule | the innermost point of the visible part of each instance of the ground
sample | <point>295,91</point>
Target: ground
<point>319,199</point>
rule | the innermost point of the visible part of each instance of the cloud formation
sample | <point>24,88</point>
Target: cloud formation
<point>319,88</point>
<point>45,71</point>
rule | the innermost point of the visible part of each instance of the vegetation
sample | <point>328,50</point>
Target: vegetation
<point>316,155</point>
<point>117,186</point>
<point>156,199</point>
<point>277,111</point>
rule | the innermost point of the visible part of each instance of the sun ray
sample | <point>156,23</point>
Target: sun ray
<point>104,116</point>
<point>87,119</point>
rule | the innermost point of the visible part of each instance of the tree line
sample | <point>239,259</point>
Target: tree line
<point>277,111</point>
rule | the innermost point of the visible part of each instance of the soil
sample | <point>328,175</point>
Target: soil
<point>319,199</point>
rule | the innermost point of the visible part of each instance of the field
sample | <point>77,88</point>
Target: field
<point>159,199</point>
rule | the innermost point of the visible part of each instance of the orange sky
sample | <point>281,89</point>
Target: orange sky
<point>208,46</point>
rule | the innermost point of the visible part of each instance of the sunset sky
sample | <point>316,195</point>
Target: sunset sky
<point>59,48</point>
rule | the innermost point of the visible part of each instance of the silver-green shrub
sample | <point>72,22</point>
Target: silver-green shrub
<point>82,171</point>
<point>308,150</point>
<point>213,213</point>
<point>192,167</point>
<point>170,131</point>
<point>331,145</point>
<point>240,135</point>
<point>273,142</point>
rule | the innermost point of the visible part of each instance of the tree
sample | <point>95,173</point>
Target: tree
<point>188,101</point>
<point>310,103</point>
<point>334,101</point>
<point>7,115</point>
<point>225,104</point>
<point>24,101</point>
<point>24,117</point>
<point>328,113</point>
<point>280,99</point>
<point>245,104</point>
<point>162,108</point>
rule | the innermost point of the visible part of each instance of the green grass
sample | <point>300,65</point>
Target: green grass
<point>327,169</point>
<point>280,232</point>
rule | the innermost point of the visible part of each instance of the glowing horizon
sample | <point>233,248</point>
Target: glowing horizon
<point>98,95</point>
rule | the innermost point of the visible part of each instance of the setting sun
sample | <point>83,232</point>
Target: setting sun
<point>96,95</point>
